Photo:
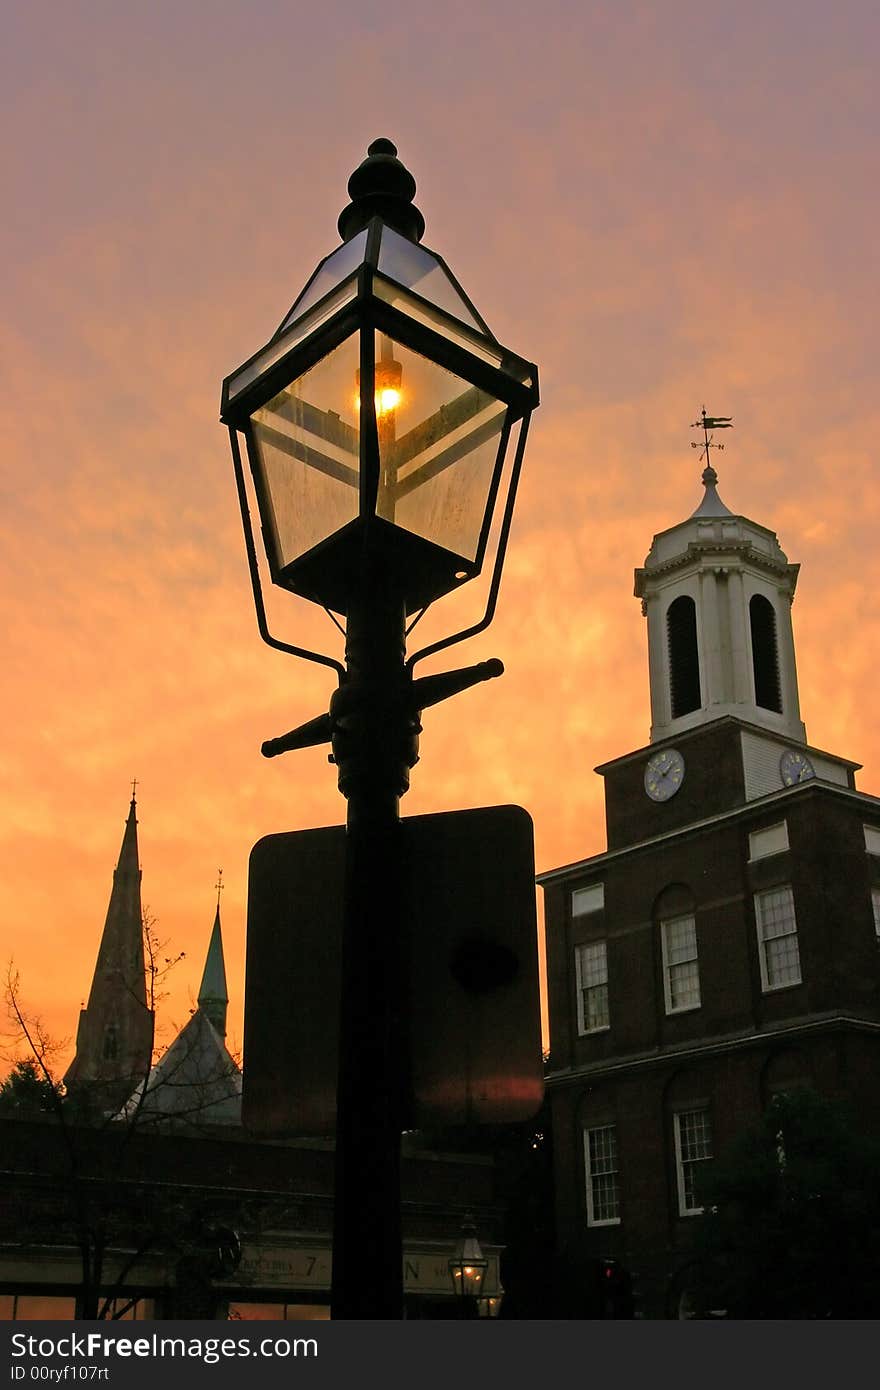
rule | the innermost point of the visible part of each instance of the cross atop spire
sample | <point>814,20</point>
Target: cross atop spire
<point>134,782</point>
<point>219,886</point>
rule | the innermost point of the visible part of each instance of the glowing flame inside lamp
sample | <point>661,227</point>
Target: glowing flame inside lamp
<point>387,376</point>
<point>387,399</point>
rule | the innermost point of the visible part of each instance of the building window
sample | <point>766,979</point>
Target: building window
<point>111,1043</point>
<point>603,1179</point>
<point>765,658</point>
<point>129,1309</point>
<point>585,900</point>
<point>693,1146</point>
<point>777,938</point>
<point>591,962</point>
<point>875,903</point>
<point>279,1312</point>
<point>773,839</point>
<point>681,970</point>
<point>872,839</point>
<point>684,658</point>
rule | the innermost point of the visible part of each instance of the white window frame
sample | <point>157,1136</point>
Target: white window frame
<point>670,966</point>
<point>687,1163</point>
<point>767,984</point>
<point>593,985</point>
<point>606,1167</point>
<point>590,898</point>
<point>875,904</point>
<point>769,840</point>
<point>872,839</point>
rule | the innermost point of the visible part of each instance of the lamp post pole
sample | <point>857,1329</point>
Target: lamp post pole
<point>375,743</point>
<point>374,729</point>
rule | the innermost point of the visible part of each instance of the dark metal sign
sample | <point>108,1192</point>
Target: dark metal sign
<point>471,974</point>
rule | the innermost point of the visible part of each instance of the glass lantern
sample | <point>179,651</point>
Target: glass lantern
<point>376,423</point>
<point>467,1268</point>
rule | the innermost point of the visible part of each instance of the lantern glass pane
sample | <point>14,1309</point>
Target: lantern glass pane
<point>467,1275</point>
<point>307,447</point>
<point>438,446</point>
<point>411,265</point>
<point>279,347</point>
<point>470,340</point>
<point>334,270</point>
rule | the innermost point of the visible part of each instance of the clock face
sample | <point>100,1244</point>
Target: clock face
<point>795,766</point>
<point>664,774</point>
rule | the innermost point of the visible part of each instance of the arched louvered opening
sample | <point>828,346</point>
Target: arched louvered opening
<point>684,659</point>
<point>765,656</point>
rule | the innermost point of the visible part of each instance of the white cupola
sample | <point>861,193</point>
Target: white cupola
<point>717,591</point>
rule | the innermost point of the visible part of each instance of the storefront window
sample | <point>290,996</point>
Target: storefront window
<point>20,1307</point>
<point>279,1312</point>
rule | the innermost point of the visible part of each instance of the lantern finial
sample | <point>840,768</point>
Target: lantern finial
<point>382,187</point>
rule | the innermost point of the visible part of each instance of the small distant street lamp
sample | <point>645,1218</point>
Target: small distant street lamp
<point>467,1268</point>
<point>384,427</point>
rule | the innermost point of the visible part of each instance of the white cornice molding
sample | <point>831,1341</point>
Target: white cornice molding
<point>739,553</point>
<point>711,1047</point>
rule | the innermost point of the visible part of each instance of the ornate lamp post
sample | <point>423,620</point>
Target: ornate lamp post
<point>377,422</point>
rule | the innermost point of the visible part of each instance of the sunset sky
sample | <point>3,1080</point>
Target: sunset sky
<point>663,204</point>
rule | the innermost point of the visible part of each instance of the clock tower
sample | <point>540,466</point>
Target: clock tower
<point>726,729</point>
<point>717,591</point>
<point>726,944</point>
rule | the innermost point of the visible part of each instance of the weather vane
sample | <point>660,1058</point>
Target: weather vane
<point>219,885</point>
<point>710,422</point>
<point>134,782</point>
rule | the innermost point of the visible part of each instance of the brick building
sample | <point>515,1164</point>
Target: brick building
<point>158,1202</point>
<point>727,943</point>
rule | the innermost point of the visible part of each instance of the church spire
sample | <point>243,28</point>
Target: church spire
<point>114,1036</point>
<point>213,997</point>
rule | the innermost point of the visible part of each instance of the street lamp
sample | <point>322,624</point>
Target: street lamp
<point>377,418</point>
<point>384,427</point>
<point>467,1268</point>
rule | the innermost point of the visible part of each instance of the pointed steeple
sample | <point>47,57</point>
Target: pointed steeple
<point>115,1034</point>
<point>213,997</point>
<point>121,952</point>
<point>197,1082</point>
